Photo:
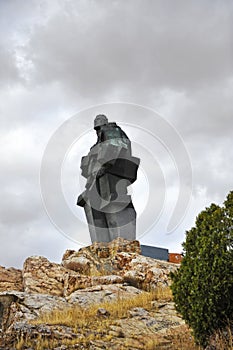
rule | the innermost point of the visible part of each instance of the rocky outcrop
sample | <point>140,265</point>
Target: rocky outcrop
<point>130,332</point>
<point>122,258</point>
<point>102,272</point>
<point>102,293</point>
<point>34,333</point>
<point>17,309</point>
<point>42,276</point>
<point>22,307</point>
<point>10,279</point>
<point>99,257</point>
<point>99,264</point>
<point>143,272</point>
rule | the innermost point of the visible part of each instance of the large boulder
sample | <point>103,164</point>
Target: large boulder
<point>98,258</point>
<point>75,281</point>
<point>17,309</point>
<point>42,276</point>
<point>10,279</point>
<point>102,293</point>
<point>143,272</point>
<point>22,307</point>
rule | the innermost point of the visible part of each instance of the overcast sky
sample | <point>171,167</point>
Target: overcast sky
<point>58,58</point>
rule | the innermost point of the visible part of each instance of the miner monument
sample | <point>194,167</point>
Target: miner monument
<point>109,169</point>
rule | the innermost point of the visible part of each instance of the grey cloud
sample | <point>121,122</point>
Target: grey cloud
<point>212,165</point>
<point>204,119</point>
<point>19,208</point>
<point>35,108</point>
<point>208,110</point>
<point>20,197</point>
<point>14,18</point>
<point>135,44</point>
<point>8,69</point>
<point>41,238</point>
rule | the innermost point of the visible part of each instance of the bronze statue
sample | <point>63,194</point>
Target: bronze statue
<point>109,169</point>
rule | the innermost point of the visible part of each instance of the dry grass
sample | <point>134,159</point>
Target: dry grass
<point>224,339</point>
<point>80,317</point>
<point>181,339</point>
<point>164,294</point>
<point>90,327</point>
<point>85,342</point>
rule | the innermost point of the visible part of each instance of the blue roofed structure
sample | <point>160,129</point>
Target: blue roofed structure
<point>155,252</point>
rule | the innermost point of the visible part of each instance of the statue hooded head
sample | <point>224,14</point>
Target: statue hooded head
<point>100,120</point>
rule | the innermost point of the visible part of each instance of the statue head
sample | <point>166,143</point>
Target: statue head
<point>100,120</point>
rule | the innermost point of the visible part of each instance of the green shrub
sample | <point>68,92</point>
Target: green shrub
<point>203,285</point>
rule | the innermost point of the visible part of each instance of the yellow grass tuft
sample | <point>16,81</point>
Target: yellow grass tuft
<point>224,339</point>
<point>90,327</point>
<point>80,317</point>
<point>163,293</point>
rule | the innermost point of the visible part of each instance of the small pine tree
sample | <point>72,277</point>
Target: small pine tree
<point>203,285</point>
